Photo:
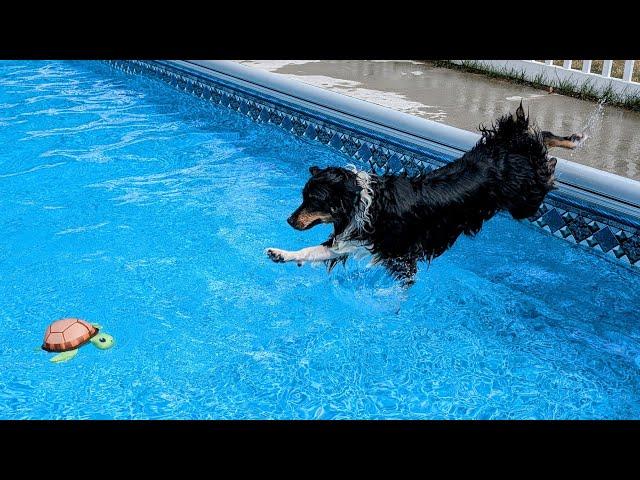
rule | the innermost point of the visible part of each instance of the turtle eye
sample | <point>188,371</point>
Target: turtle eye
<point>102,340</point>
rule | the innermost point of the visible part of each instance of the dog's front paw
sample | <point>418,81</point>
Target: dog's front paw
<point>277,255</point>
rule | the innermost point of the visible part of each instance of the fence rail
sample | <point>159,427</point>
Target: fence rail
<point>546,73</point>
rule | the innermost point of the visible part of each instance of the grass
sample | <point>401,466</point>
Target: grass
<point>584,91</point>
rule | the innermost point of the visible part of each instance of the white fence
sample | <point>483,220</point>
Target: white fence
<point>548,74</point>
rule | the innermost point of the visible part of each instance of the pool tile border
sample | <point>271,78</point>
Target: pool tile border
<point>375,153</point>
<point>579,224</point>
<point>594,232</point>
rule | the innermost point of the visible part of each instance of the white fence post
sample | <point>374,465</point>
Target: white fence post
<point>547,73</point>
<point>628,70</point>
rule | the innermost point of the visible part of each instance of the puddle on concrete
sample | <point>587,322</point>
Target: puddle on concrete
<point>466,100</point>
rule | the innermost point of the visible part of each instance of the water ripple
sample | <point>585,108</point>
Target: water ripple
<point>157,228</point>
<point>32,170</point>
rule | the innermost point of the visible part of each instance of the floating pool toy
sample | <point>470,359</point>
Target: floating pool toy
<point>69,334</point>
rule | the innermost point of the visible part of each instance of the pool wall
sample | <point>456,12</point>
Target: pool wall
<point>596,209</point>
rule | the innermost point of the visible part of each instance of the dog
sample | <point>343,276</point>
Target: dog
<point>401,220</point>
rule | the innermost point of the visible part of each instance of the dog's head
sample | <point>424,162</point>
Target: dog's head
<point>330,196</point>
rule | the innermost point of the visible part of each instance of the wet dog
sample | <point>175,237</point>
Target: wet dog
<point>401,220</point>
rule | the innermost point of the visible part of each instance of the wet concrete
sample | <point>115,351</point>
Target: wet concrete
<point>466,100</point>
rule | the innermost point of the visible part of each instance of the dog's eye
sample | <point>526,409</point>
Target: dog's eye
<point>333,209</point>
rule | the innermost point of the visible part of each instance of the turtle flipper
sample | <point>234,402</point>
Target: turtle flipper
<point>64,356</point>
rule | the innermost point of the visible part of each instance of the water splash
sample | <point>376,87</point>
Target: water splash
<point>591,126</point>
<point>367,287</point>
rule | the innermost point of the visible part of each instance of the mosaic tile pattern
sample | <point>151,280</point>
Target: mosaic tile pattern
<point>613,241</point>
<point>589,229</point>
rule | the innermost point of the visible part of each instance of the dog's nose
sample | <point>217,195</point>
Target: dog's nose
<point>290,221</point>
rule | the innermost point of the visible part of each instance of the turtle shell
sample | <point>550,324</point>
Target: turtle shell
<point>67,334</point>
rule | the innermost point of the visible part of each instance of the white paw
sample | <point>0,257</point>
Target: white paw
<point>277,255</point>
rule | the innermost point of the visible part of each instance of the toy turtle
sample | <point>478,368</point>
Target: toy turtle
<point>69,334</point>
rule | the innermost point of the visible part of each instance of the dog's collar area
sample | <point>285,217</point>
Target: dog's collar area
<point>362,218</point>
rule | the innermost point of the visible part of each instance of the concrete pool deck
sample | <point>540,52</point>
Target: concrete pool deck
<point>465,100</point>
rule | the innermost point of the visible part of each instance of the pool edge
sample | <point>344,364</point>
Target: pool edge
<point>595,209</point>
<point>589,179</point>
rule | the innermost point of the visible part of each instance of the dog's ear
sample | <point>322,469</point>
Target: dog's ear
<point>314,170</point>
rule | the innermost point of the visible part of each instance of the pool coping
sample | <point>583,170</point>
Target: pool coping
<point>590,207</point>
<point>571,174</point>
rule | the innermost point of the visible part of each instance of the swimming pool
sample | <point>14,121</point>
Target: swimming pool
<point>147,210</point>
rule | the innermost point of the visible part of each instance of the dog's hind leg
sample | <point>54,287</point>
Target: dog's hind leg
<point>403,269</point>
<point>570,141</point>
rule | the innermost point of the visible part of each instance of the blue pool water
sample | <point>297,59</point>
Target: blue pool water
<point>129,204</point>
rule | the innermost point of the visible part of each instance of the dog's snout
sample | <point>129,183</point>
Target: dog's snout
<point>302,219</point>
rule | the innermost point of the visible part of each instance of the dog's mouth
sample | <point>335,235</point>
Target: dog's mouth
<point>309,225</point>
<point>305,221</point>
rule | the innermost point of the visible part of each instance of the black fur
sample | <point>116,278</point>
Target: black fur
<point>419,218</point>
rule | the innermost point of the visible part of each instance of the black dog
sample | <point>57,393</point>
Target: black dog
<point>401,219</point>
